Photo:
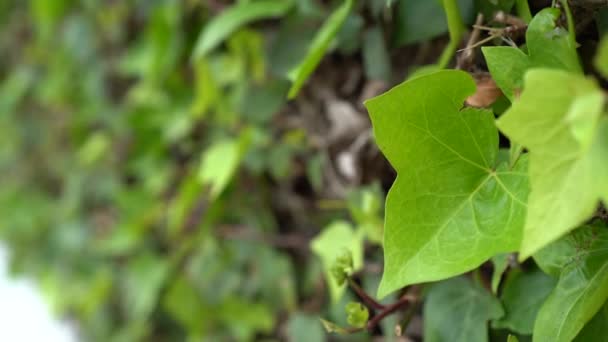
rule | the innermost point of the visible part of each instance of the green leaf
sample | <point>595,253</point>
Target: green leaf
<point>143,279</point>
<point>601,57</point>
<point>458,310</point>
<point>220,161</point>
<point>244,318</point>
<point>206,90</point>
<point>507,66</point>
<point>357,314</point>
<point>331,244</point>
<point>567,169</point>
<point>548,46</point>
<point>553,258</point>
<point>451,207</point>
<point>582,288</point>
<point>595,330</point>
<point>501,263</point>
<point>342,267</point>
<point>222,26</point>
<point>318,47</point>
<point>365,207</point>
<point>183,303</point>
<point>522,296</point>
<point>332,327</point>
<point>512,338</point>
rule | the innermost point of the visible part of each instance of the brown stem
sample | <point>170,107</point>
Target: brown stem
<point>389,310</point>
<point>465,60</point>
<point>371,302</point>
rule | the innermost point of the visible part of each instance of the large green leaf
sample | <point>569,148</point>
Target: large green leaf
<point>558,119</point>
<point>452,207</point>
<point>457,310</point>
<point>548,46</point>
<point>318,47</point>
<point>220,27</point>
<point>522,296</point>
<point>582,288</point>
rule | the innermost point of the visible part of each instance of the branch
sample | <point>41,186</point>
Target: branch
<point>369,301</point>
<point>389,310</point>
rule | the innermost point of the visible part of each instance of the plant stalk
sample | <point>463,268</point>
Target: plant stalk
<point>455,28</point>
<point>523,10</point>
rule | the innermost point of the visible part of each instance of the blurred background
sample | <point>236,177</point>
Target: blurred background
<point>156,188</point>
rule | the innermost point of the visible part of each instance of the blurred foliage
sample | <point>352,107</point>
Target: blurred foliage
<point>125,160</point>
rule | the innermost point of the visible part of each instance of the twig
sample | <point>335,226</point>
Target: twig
<point>364,296</point>
<point>372,323</point>
<point>465,60</point>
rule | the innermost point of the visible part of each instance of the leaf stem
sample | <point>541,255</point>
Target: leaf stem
<point>364,296</point>
<point>523,10</point>
<point>389,310</point>
<point>455,28</point>
<point>570,19</point>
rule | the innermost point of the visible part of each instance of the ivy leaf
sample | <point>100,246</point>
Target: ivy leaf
<point>523,295</point>
<point>458,310</point>
<point>318,47</point>
<point>595,330</point>
<point>331,244</point>
<point>567,160</point>
<point>582,288</point>
<point>222,26</point>
<point>548,46</point>
<point>451,208</point>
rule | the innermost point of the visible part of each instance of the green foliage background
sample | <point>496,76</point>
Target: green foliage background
<point>133,147</point>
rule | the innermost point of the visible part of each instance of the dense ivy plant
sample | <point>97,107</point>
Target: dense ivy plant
<point>461,197</point>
